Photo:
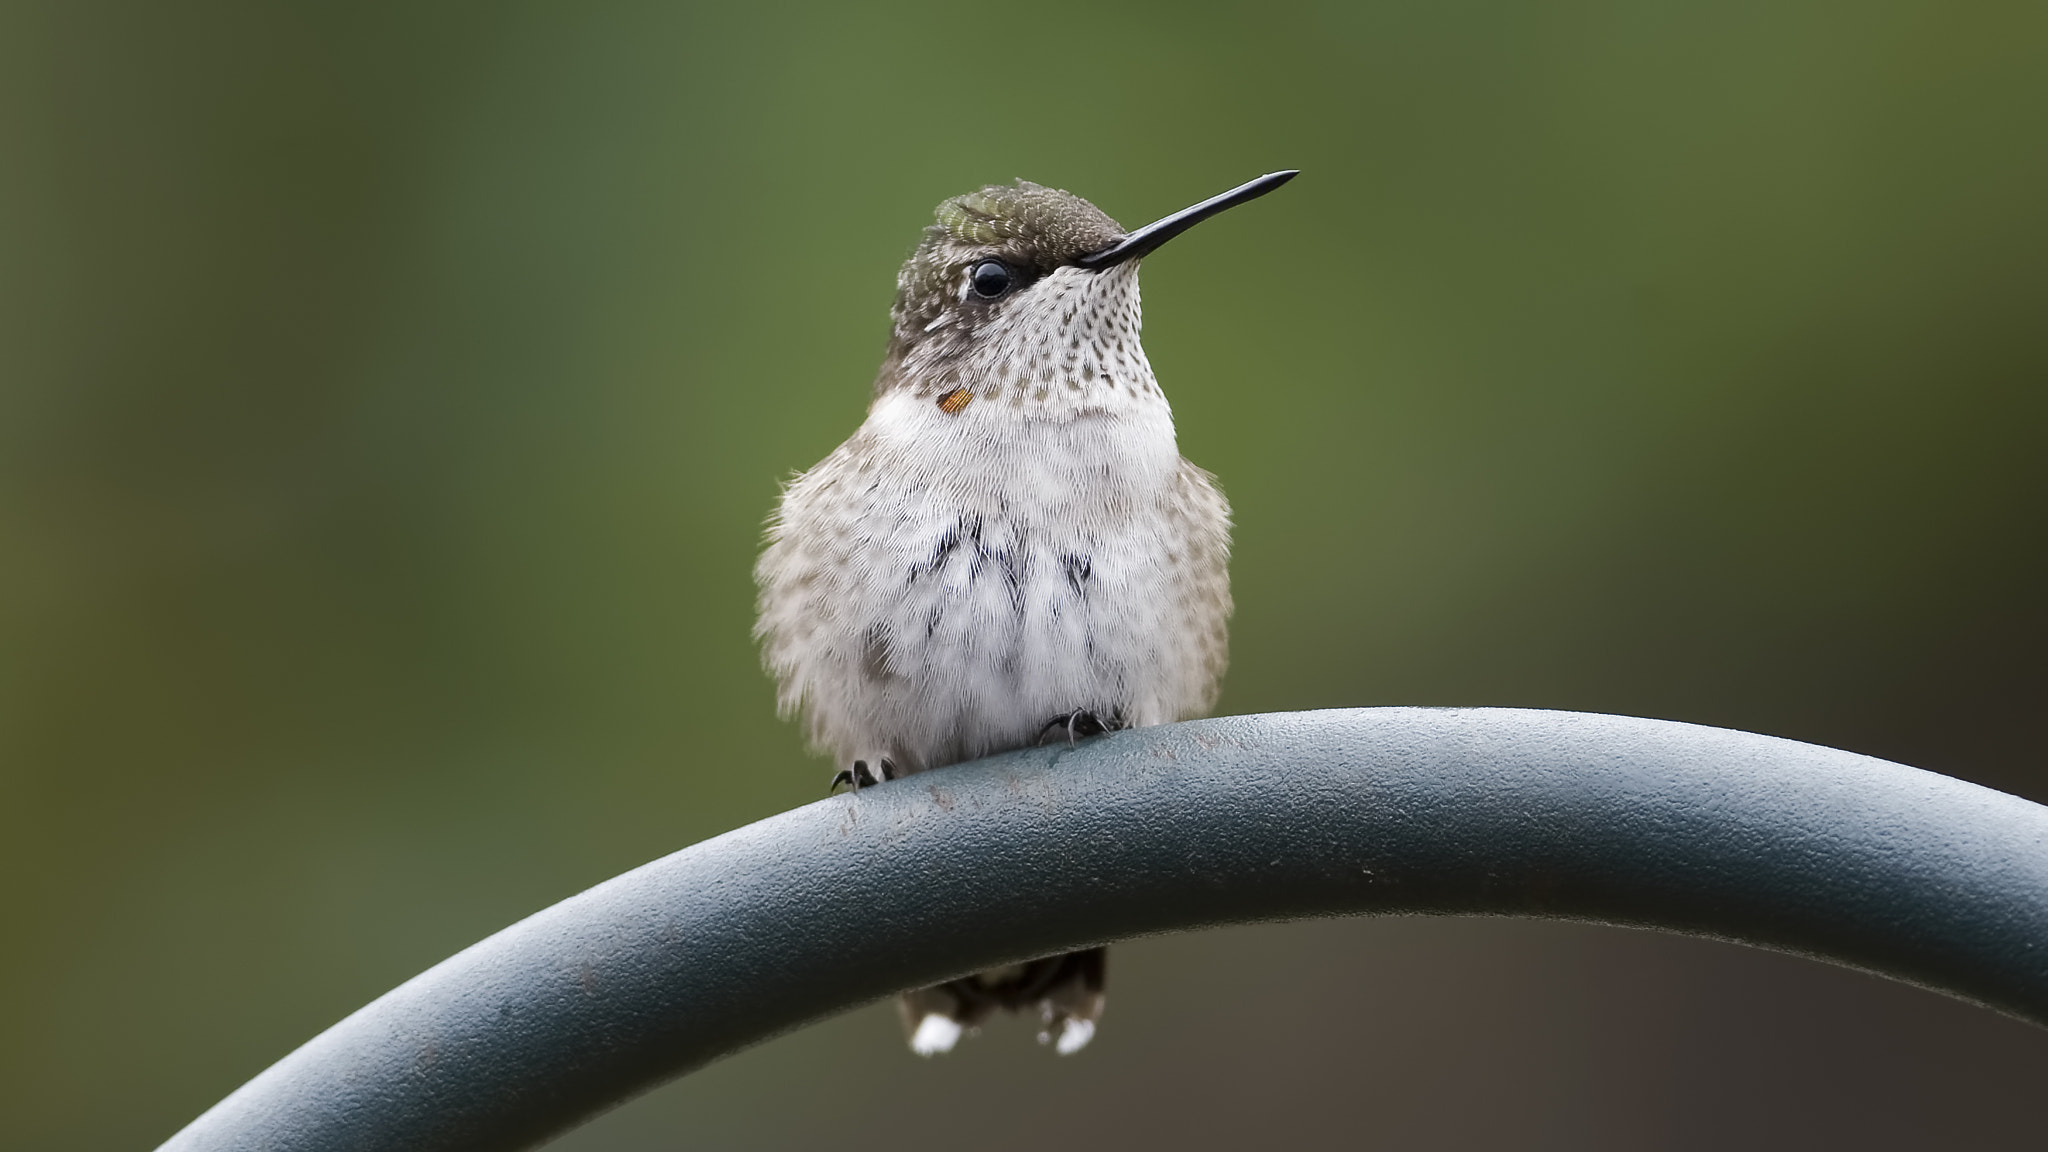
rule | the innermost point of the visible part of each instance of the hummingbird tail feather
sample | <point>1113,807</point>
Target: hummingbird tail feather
<point>1065,992</point>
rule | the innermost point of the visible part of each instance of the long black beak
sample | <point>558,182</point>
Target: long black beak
<point>1160,231</point>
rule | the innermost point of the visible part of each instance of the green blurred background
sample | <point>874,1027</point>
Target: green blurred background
<point>391,396</point>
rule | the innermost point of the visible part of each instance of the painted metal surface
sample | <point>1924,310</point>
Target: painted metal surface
<point>1399,810</point>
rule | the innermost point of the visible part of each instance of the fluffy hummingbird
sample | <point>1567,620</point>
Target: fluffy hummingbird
<point>1011,548</point>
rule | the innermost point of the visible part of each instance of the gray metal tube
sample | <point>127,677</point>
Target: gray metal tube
<point>1398,810</point>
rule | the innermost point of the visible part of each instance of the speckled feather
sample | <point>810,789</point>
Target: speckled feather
<point>1011,536</point>
<point>945,582</point>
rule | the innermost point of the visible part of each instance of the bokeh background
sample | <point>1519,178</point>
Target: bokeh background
<point>391,396</point>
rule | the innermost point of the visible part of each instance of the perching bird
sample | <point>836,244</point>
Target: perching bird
<point>1011,548</point>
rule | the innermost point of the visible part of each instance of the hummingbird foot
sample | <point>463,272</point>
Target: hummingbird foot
<point>859,776</point>
<point>1080,724</point>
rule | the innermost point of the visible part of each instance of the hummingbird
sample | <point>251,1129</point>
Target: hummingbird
<point>1010,548</point>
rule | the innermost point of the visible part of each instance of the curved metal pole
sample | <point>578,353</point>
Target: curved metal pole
<point>1465,811</point>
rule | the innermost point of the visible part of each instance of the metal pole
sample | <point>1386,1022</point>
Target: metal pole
<point>1398,810</point>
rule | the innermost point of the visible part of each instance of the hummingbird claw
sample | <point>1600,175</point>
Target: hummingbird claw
<point>1080,724</point>
<point>859,777</point>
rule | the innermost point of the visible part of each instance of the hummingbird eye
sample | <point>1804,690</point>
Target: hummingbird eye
<point>991,278</point>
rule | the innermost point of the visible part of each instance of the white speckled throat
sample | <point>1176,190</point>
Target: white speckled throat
<point>1066,345</point>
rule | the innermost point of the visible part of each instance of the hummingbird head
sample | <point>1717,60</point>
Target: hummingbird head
<point>1030,293</point>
